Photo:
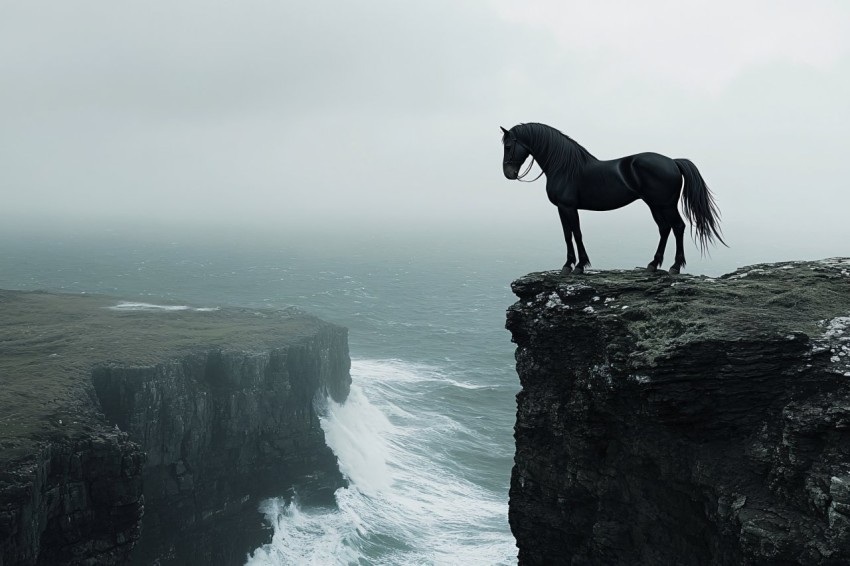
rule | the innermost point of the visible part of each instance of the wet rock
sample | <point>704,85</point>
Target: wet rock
<point>224,430</point>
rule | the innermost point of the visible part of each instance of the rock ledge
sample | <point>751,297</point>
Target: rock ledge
<point>683,420</point>
<point>151,432</point>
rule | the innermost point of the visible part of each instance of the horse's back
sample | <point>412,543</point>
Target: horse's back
<point>654,176</point>
<point>651,165</point>
<point>606,185</point>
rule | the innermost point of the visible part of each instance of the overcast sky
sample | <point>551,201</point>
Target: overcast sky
<point>384,116</point>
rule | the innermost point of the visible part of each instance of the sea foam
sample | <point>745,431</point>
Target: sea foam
<point>406,502</point>
<point>128,306</point>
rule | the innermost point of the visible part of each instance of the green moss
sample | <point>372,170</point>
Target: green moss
<point>49,344</point>
<point>756,301</point>
<point>664,311</point>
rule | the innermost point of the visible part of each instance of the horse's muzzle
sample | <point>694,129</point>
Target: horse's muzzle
<point>511,171</point>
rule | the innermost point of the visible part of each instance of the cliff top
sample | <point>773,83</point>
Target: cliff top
<point>49,344</point>
<point>799,298</point>
<point>683,420</point>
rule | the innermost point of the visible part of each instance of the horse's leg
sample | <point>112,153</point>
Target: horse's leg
<point>568,238</point>
<point>664,233</point>
<point>569,217</point>
<point>678,225</point>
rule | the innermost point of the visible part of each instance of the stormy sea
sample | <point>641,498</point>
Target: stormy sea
<point>425,437</point>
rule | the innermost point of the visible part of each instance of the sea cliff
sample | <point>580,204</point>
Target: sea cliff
<point>144,434</point>
<point>683,420</point>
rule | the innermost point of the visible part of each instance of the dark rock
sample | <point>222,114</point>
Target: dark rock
<point>152,436</point>
<point>683,420</point>
<point>223,430</point>
<point>75,501</point>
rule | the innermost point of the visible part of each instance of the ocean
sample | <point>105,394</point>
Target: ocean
<point>426,435</point>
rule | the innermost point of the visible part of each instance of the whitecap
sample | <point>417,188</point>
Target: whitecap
<point>466,385</point>
<point>130,306</point>
<point>407,501</point>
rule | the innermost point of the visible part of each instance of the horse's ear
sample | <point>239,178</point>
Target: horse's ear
<point>503,130</point>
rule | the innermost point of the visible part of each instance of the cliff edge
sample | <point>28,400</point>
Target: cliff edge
<point>149,434</point>
<point>683,420</point>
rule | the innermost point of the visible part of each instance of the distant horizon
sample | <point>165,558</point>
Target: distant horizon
<point>382,120</point>
<point>539,248</point>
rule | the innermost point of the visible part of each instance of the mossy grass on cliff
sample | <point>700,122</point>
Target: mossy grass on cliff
<point>683,420</point>
<point>663,311</point>
<point>49,344</point>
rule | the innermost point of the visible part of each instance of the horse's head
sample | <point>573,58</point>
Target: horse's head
<point>515,154</point>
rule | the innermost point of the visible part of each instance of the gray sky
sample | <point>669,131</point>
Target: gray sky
<point>383,116</point>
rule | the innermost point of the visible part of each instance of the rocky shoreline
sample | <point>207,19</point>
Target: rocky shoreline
<point>151,433</point>
<point>683,420</point>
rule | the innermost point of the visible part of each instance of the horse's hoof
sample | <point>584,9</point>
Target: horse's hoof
<point>578,270</point>
<point>674,271</point>
<point>566,270</point>
<point>652,267</point>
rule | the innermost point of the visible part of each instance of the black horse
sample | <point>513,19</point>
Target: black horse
<point>577,180</point>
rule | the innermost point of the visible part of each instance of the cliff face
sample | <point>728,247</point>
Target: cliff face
<point>683,420</point>
<point>73,501</point>
<point>223,430</point>
<point>152,435</point>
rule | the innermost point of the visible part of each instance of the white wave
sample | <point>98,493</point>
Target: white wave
<point>356,432</point>
<point>128,306</point>
<point>465,385</point>
<point>392,371</point>
<point>318,538</point>
<point>406,502</point>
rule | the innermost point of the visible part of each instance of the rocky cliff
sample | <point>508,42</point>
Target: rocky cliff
<point>683,420</point>
<point>144,434</point>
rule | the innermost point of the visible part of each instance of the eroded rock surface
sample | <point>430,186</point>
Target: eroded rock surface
<point>151,434</point>
<point>683,420</point>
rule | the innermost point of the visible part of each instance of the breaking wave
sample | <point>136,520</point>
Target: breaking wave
<point>409,499</point>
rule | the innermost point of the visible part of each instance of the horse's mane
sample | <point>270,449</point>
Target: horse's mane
<point>553,149</point>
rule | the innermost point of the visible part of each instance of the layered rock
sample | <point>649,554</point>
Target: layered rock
<point>73,501</point>
<point>683,420</point>
<point>147,434</point>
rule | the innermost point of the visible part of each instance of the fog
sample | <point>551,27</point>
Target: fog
<point>351,123</point>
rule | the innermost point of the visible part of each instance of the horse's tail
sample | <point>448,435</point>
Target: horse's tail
<point>699,206</point>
